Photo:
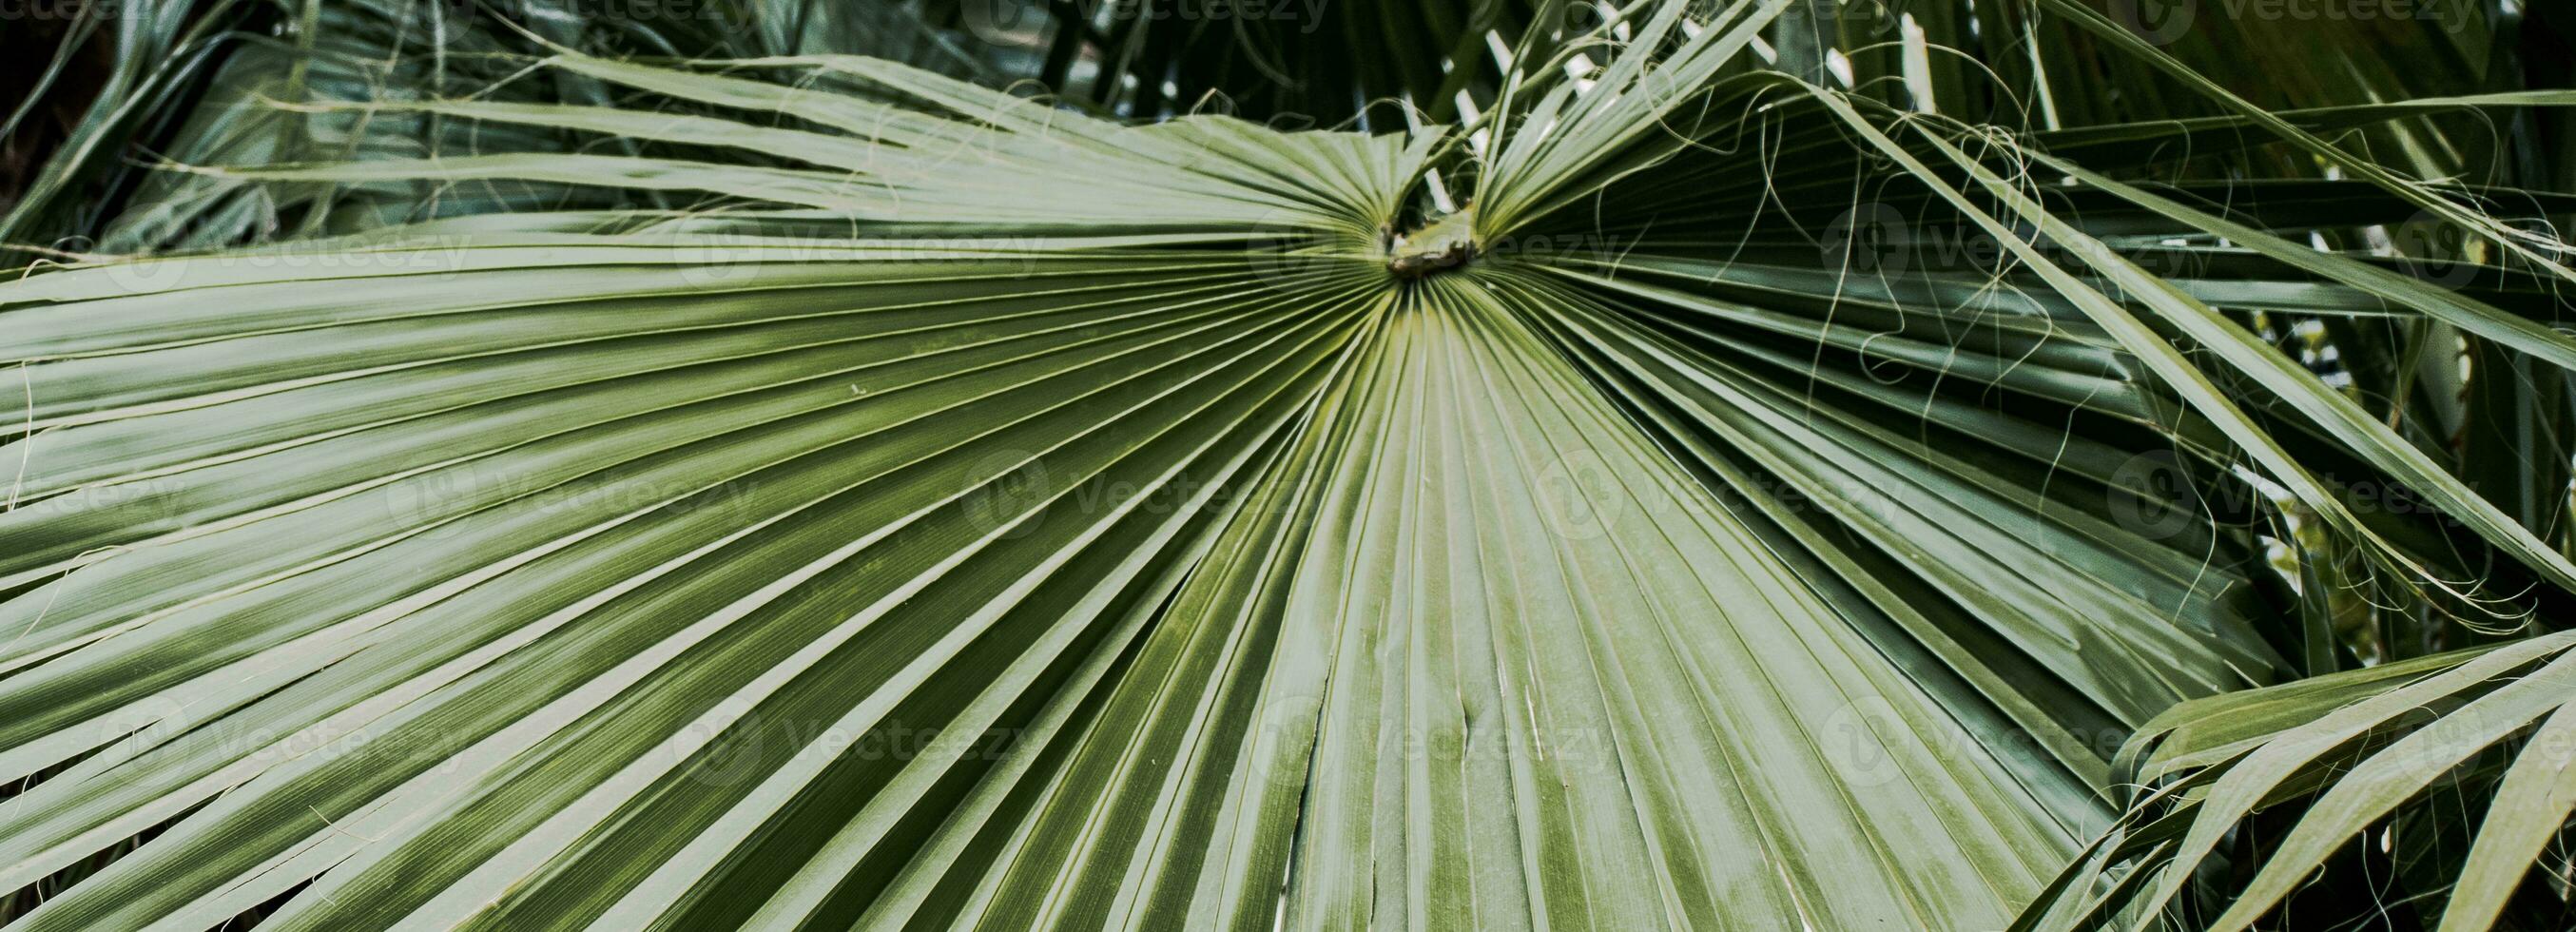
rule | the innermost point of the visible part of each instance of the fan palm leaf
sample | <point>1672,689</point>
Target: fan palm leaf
<point>1684,495</point>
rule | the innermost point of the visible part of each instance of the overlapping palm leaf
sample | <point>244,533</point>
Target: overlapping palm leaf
<point>2343,762</point>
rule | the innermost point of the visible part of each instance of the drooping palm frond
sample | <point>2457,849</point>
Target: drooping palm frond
<point>198,82</point>
<point>1752,504</point>
<point>2484,733</point>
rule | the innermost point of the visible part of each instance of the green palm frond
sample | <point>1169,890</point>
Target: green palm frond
<point>807,490</point>
<point>198,82</point>
<point>2343,756</point>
